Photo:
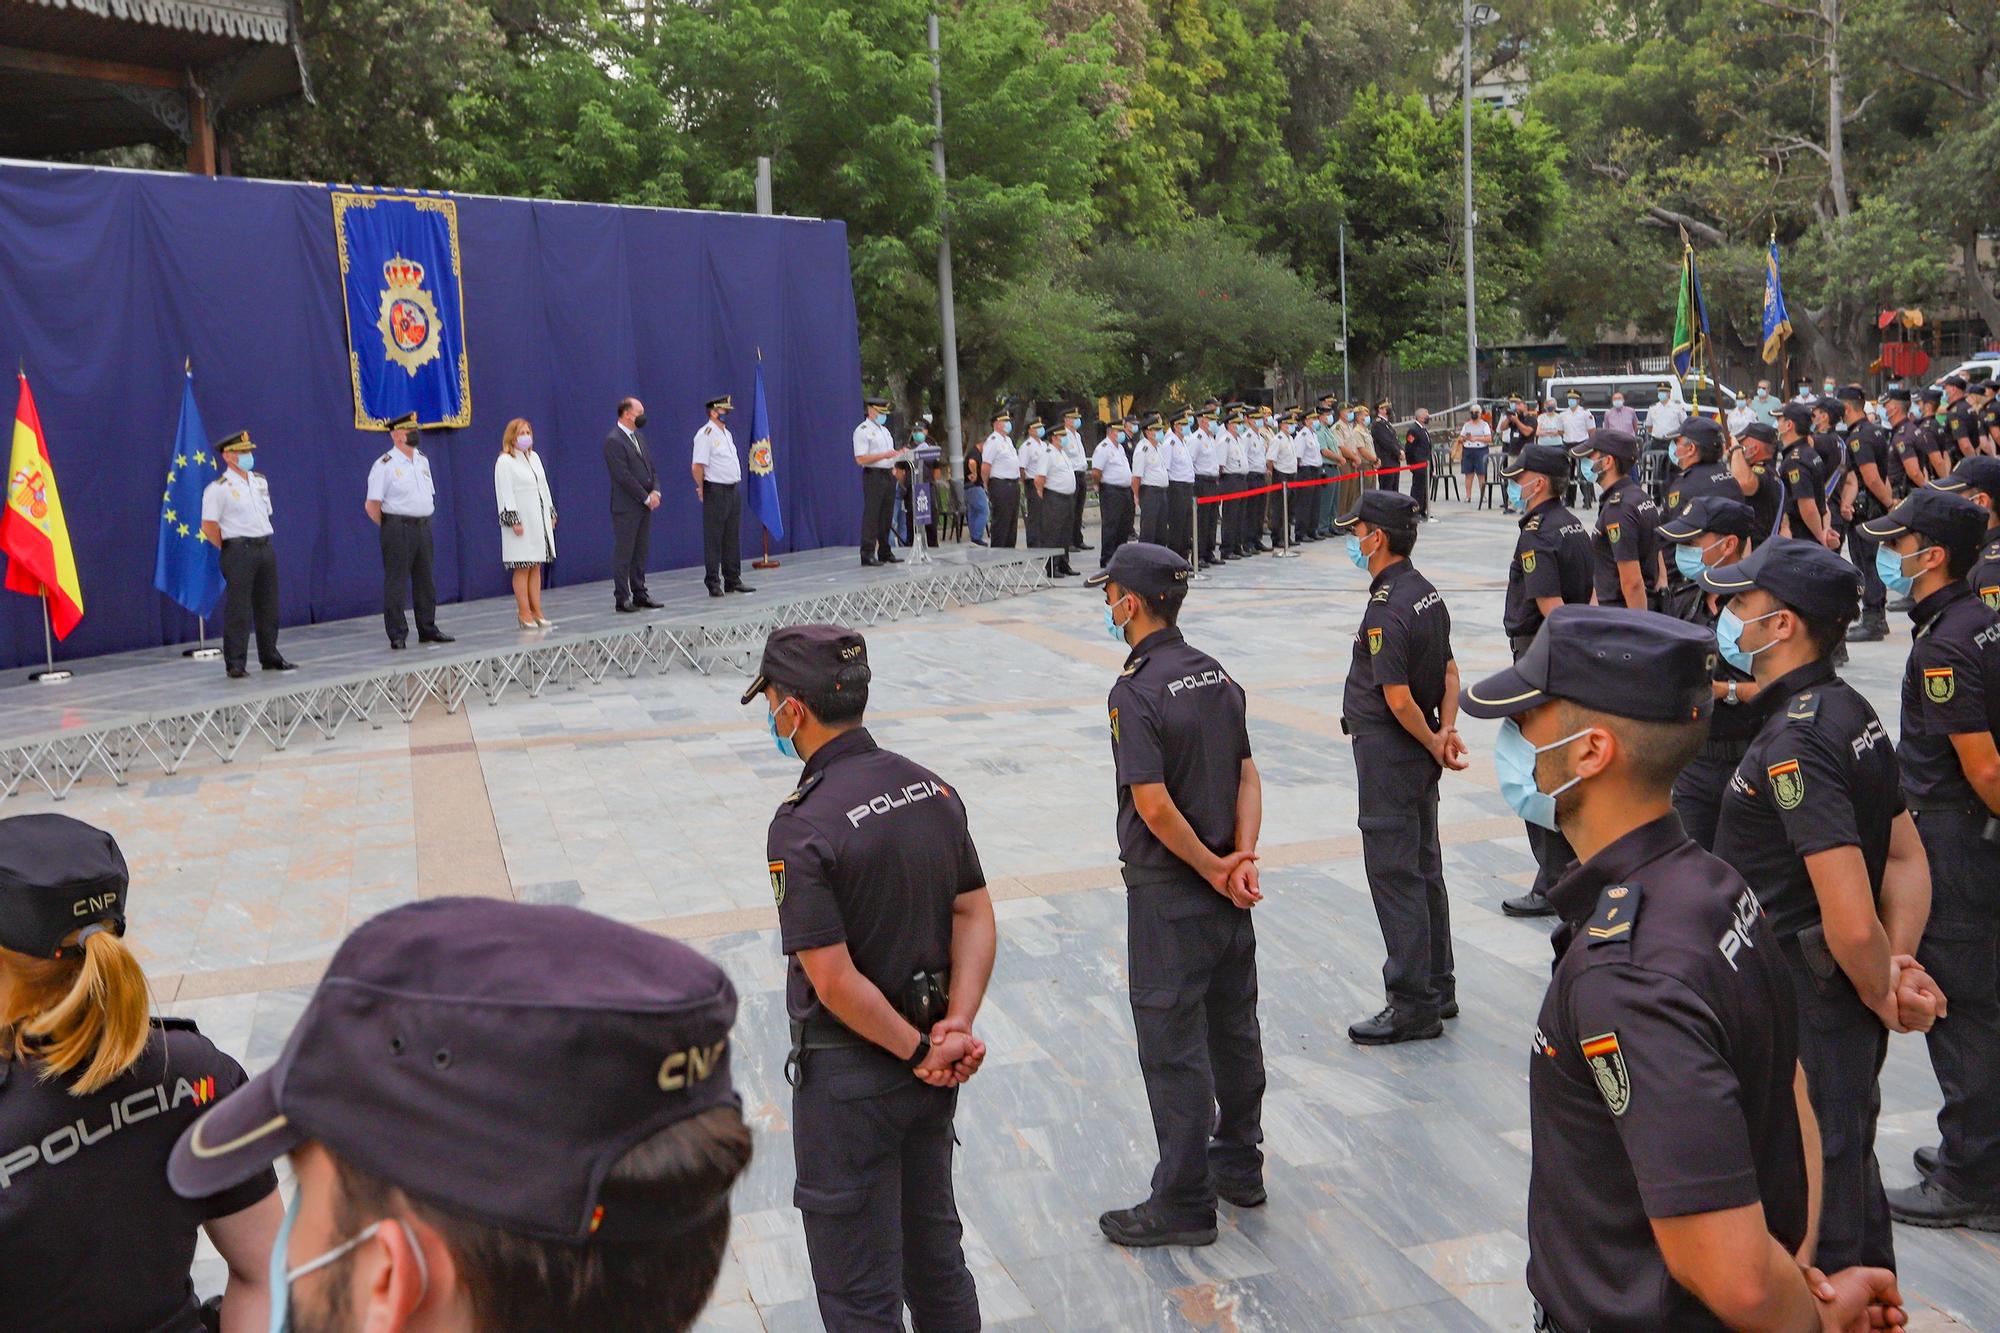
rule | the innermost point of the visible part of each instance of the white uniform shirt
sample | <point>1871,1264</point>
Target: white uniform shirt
<point>999,454</point>
<point>1256,452</point>
<point>1663,420</point>
<point>1284,454</point>
<point>1207,454</point>
<point>1577,423</point>
<point>1233,452</point>
<point>1072,447</point>
<point>1110,462</point>
<point>402,485</point>
<point>871,438</point>
<point>1031,453</point>
<point>1054,470</point>
<point>1180,458</point>
<point>1740,416</point>
<point>1307,444</point>
<point>1149,460</point>
<point>239,505</point>
<point>715,450</point>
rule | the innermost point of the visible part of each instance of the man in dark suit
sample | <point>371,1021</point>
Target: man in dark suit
<point>635,494</point>
<point>1388,447</point>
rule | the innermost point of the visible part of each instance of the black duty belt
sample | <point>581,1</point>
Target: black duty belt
<point>245,541</point>
<point>406,518</point>
<point>1940,805</point>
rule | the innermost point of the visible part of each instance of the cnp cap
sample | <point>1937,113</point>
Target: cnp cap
<point>1757,430</point>
<point>1952,521</point>
<point>1701,431</point>
<point>865,402</point>
<point>721,404</point>
<point>1952,382</point>
<point>1383,509</point>
<point>1851,393</point>
<point>811,657</point>
<point>1985,385</point>
<point>1801,574</point>
<point>1799,414</point>
<point>1548,459</point>
<point>1710,513</point>
<point>492,1058</point>
<point>1621,445</point>
<point>407,421</point>
<point>234,444</point>
<point>1899,394</point>
<point>1590,655</point>
<point>1980,472</point>
<point>1142,568</point>
<point>57,874</point>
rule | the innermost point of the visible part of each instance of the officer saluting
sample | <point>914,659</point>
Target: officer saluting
<point>1401,707</point>
<point>1668,1188</point>
<point>1700,470</point>
<point>883,910</point>
<point>1814,821</point>
<point>236,516</point>
<point>1951,779</point>
<point>1189,809</point>
<point>1551,567</point>
<point>401,499</point>
<point>1625,549</point>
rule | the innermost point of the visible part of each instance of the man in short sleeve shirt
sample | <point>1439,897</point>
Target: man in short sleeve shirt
<point>1625,549</point>
<point>1978,480</point>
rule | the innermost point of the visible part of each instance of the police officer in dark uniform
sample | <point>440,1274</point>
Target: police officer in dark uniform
<point>1936,443</point>
<point>883,910</point>
<point>1668,1187</point>
<point>1625,549</point>
<point>1400,705</point>
<point>1190,807</point>
<point>1959,422</point>
<point>1814,821</point>
<point>1870,463</point>
<point>1986,402</point>
<point>1908,441</point>
<point>1418,448</point>
<point>1712,531</point>
<point>1951,780</point>
<point>1978,480</point>
<point>1799,470</point>
<point>1700,469</point>
<point>1551,566</point>
<point>1751,465</point>
<point>92,1098</point>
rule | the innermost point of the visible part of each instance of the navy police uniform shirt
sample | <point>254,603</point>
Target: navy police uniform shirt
<point>1913,442</point>
<point>1416,444</point>
<point>1699,480</point>
<point>1627,520</point>
<point>1551,559</point>
<point>1960,429</point>
<point>1820,774</point>
<point>1404,639</point>
<point>1727,723</point>
<point>1868,443</point>
<point>1798,468</point>
<point>1984,576</point>
<point>1176,718</point>
<point>871,851</point>
<point>1936,445</point>
<point>1989,419</point>
<point>1660,1084</point>
<point>1764,504</point>
<point>94,1237</point>
<point>1951,686</point>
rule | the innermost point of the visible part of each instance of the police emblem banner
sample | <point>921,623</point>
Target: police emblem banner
<point>400,273</point>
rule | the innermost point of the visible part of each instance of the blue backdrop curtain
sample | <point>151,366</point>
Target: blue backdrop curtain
<point>110,280</point>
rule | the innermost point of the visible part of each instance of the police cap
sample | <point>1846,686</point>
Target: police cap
<point>1803,575</point>
<point>1710,513</point>
<point>1002,414</point>
<point>1757,430</point>
<point>1548,459</point>
<point>865,402</point>
<point>723,404</point>
<point>1851,393</point>
<point>811,658</point>
<point>1391,510</point>
<point>234,444</point>
<point>1799,414</point>
<point>1952,521</point>
<point>1931,395</point>
<point>1899,394</point>
<point>1702,432</point>
<point>1952,382</point>
<point>1981,386</point>
<point>1590,655</point>
<point>56,874</point>
<point>407,421</point>
<point>1142,568</point>
<point>491,1058</point>
<point>1980,472</point>
<point>1620,444</point>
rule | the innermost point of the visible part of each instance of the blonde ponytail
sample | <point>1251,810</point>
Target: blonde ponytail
<point>87,1011</point>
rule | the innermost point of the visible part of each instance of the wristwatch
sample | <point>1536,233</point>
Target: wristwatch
<point>921,1054</point>
<point>1729,695</point>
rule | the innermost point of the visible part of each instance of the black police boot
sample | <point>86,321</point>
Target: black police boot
<point>1929,1204</point>
<point>1530,903</point>
<point>1242,1193</point>
<point>1449,1009</point>
<point>1926,1160</point>
<point>1873,626</point>
<point>1140,1227</point>
<point>1391,1026</point>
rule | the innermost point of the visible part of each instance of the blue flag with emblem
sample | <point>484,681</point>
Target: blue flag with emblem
<point>1690,314</point>
<point>764,501</point>
<point>400,281</point>
<point>186,567</point>
<point>1777,320</point>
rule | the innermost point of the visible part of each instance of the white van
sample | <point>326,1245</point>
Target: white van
<point>1712,399</point>
<point>1984,365</point>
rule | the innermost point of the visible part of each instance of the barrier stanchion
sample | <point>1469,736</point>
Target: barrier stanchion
<point>1285,551</point>
<point>1194,542</point>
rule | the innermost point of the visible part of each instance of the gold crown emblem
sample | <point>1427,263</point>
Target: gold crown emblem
<point>401,272</point>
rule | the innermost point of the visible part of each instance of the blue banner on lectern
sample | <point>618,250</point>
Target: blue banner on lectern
<point>399,268</point>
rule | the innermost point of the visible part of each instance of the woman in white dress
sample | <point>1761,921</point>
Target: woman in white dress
<point>527,519</point>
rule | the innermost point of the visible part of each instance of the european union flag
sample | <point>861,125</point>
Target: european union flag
<point>763,474</point>
<point>187,568</point>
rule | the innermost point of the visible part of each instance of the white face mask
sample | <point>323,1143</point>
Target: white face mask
<point>524,442</point>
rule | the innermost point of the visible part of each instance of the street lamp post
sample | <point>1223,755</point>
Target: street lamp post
<point>947,311</point>
<point>1475,16</point>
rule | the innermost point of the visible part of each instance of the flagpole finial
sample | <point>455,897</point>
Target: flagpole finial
<point>187,366</point>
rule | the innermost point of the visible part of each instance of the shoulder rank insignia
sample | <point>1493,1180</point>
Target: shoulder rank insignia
<point>778,882</point>
<point>1804,706</point>
<point>1132,667</point>
<point>804,787</point>
<point>1939,685</point>
<point>1788,784</point>
<point>1607,1066</point>
<point>1617,909</point>
<point>1381,595</point>
<point>1533,525</point>
<point>387,457</point>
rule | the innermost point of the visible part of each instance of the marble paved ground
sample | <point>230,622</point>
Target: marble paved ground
<point>1397,1177</point>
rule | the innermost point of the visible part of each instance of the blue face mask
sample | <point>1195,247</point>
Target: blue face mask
<point>1688,560</point>
<point>1597,471</point>
<point>1729,638</point>
<point>248,462</point>
<point>1889,568</point>
<point>785,744</point>
<point>1514,764</point>
<point>1111,625</point>
<point>282,1278</point>
<point>1006,428</point>
<point>1354,554</point>
<point>1514,494</point>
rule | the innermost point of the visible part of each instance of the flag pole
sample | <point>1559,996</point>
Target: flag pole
<point>763,561</point>
<point>53,675</point>
<point>201,652</point>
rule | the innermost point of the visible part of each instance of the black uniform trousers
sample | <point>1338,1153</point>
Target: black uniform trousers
<point>1390,481</point>
<point>1842,1045</point>
<point>1153,514</point>
<point>873,1149</point>
<point>631,539</point>
<point>1193,977</point>
<point>1180,517</point>
<point>407,562</point>
<point>1699,789</point>
<point>878,503</point>
<point>250,593</point>
<point>1398,785</point>
<point>1082,476</point>
<point>1033,498</point>
<point>1420,488</point>
<point>1232,513</point>
<point>1003,497</point>
<point>1205,516</point>
<point>1961,948</point>
<point>1057,513</point>
<point>1277,508</point>
<point>1874,597</point>
<point>721,534</point>
<point>1114,513</point>
<point>1305,504</point>
<point>1553,854</point>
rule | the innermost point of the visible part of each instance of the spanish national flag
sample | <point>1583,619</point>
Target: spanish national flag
<point>34,536</point>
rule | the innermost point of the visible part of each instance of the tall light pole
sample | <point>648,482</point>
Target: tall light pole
<point>947,314</point>
<point>1346,395</point>
<point>1475,16</point>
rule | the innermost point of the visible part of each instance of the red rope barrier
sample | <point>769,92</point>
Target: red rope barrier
<point>1302,485</point>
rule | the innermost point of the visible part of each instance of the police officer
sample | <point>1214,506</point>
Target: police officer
<point>1283,453</point>
<point>1233,480</point>
<point>1056,484</point>
<point>1400,704</point>
<point>401,499</point>
<point>1959,421</point>
<point>1208,451</point>
<point>1668,1187</point>
<point>1256,475</point>
<point>1417,449</point>
<point>92,1097</point>
<point>1551,567</point>
<point>1985,396</point>
<point>1071,442</point>
<point>1978,480</point>
<point>236,516</point>
<point>1625,562</point>
<point>1111,473</point>
<point>1308,495</point>
<point>1149,468</point>
<point>876,454</point>
<point>1697,454</point>
<point>717,469</point>
<point>1189,810</point>
<point>1798,469</point>
<point>1711,531</point>
<point>1909,444</point>
<point>1180,485</point>
<point>1814,820</point>
<point>1869,464</point>
<point>1388,448</point>
<point>1937,448</point>
<point>1751,465</point>
<point>1951,781</point>
<point>1032,468</point>
<point>884,914</point>
<point>1000,468</point>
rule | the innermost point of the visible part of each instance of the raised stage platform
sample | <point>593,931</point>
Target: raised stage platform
<point>153,709</point>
